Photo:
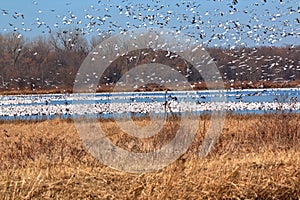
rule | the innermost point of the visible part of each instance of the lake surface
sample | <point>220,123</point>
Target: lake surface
<point>108,105</point>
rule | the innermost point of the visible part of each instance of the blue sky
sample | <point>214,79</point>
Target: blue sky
<point>216,23</point>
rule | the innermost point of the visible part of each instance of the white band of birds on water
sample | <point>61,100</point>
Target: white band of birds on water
<point>151,102</point>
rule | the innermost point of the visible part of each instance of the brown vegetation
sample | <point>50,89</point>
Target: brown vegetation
<point>256,157</point>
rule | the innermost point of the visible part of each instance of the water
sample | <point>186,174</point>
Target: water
<point>109,105</point>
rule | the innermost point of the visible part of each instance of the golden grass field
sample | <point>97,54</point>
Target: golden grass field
<point>256,157</point>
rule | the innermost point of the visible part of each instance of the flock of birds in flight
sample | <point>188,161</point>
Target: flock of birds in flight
<point>257,23</point>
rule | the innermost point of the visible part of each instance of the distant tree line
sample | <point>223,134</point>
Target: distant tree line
<point>51,62</point>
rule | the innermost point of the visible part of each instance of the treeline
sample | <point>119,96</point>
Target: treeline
<point>51,62</point>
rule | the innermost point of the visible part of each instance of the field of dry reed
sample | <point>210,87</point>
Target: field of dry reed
<point>256,157</point>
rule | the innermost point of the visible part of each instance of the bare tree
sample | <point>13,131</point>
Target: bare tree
<point>14,44</point>
<point>69,40</point>
<point>96,40</point>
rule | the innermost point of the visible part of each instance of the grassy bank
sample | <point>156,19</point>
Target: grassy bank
<point>256,157</point>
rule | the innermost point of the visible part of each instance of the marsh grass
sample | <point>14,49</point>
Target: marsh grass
<point>256,157</point>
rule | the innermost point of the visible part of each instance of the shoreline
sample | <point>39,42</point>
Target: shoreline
<point>137,118</point>
<point>197,87</point>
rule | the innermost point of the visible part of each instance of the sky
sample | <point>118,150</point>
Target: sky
<point>222,23</point>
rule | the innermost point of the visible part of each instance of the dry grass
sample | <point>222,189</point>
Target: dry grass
<point>256,157</point>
